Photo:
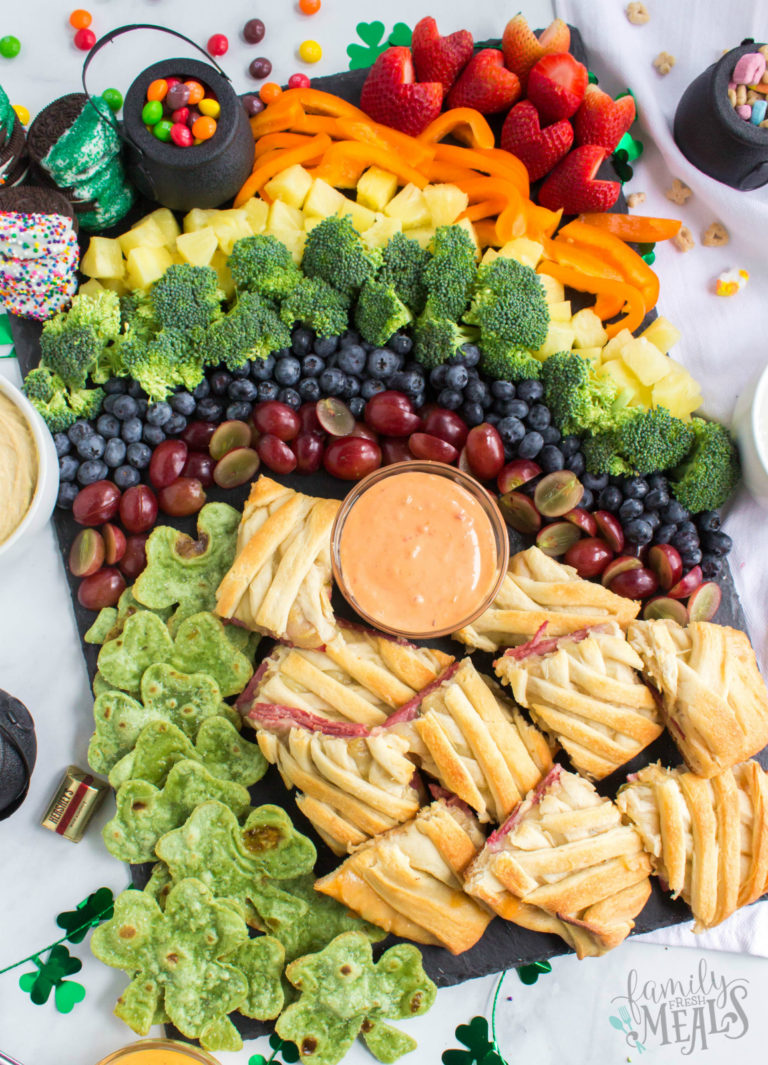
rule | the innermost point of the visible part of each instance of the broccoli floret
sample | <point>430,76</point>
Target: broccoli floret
<point>161,362</point>
<point>335,253</point>
<point>653,440</point>
<point>187,297</point>
<point>601,455</point>
<point>708,476</point>
<point>379,312</point>
<point>79,342</point>
<point>316,305</point>
<point>404,264</point>
<point>450,273</point>
<point>579,400</point>
<point>100,312</point>
<point>437,339</point>
<point>86,402</point>
<point>508,305</point>
<point>506,362</point>
<point>263,264</point>
<point>250,330</point>
<point>58,406</point>
<point>137,315</point>
<point>41,384</point>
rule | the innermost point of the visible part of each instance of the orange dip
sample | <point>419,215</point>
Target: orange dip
<point>158,1052</point>
<point>417,553</point>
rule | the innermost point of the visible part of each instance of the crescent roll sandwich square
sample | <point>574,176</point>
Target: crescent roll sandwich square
<point>707,838</point>
<point>714,700</point>
<point>564,863</point>
<point>408,881</point>
<point>585,691</point>
<point>536,590</point>
<point>351,788</point>
<point>359,676</point>
<point>279,582</point>
<point>477,744</point>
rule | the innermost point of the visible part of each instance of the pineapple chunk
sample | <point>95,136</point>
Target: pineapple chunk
<point>323,199</point>
<point>526,251</point>
<point>117,285</point>
<point>198,218</point>
<point>376,188</point>
<point>488,256</point>
<point>290,185</point>
<point>147,234</point>
<point>662,334</point>
<point>410,207</point>
<point>467,226</point>
<point>310,221</point>
<point>645,360</point>
<point>589,329</point>
<point>257,211</point>
<point>219,264</point>
<point>678,391</point>
<point>445,203</point>
<point>591,355</point>
<point>230,226</point>
<point>554,292</point>
<point>615,345</point>
<point>91,287</point>
<point>560,312</point>
<point>362,217</point>
<point>295,242</point>
<point>560,337</point>
<point>422,235</point>
<point>166,220</point>
<point>382,231</point>
<point>287,224</point>
<point>146,265</point>
<point>197,247</point>
<point>622,377</point>
<point>104,258</point>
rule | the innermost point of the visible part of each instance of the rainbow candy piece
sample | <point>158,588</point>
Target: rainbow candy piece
<point>731,281</point>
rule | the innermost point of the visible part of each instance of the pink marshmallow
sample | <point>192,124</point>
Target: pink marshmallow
<point>744,111</point>
<point>732,85</point>
<point>749,69</point>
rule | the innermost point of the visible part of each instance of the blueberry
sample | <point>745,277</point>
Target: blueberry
<point>152,435</point>
<point>692,556</point>
<point>477,392</point>
<point>290,397</point>
<point>502,390</point>
<point>471,353</point>
<point>240,411</point>
<point>262,369</point>
<point>449,398</point>
<point>587,500</point>
<point>131,430</point>
<point>125,407</point>
<point>241,371</point>
<point>552,435</point>
<point>351,359</point>
<point>176,424</point>
<point>220,381</point>
<point>266,390</point>
<point>204,389</point>
<point>637,531</point>
<point>457,377</point>
<point>159,413</point>
<point>108,425</point>
<point>350,337</point>
<point>518,408</point>
<point>492,418</point>
<point>530,446</point>
<point>115,386</point>
<point>357,406</point>
<point>675,513</point>
<point>351,387</point>
<point>717,543</point>
<point>210,409</point>
<point>652,517</point>
<point>109,403</point>
<point>575,463</point>
<point>657,499</point>
<point>511,430</point>
<point>325,346</point>
<point>594,481</point>
<point>142,406</point>
<point>183,403</point>
<point>243,390</point>
<point>281,353</point>
<point>551,458</point>
<point>332,382</point>
<point>658,480</point>
<point>301,341</point>
<point>401,344</point>
<point>635,488</point>
<point>93,470</point>
<point>610,498</point>
<point>68,493</point>
<point>126,477</point>
<point>114,452</point>
<point>437,377</point>
<point>92,447</point>
<point>530,391</point>
<point>287,371</point>
<point>381,363</point>
<point>707,521</point>
<point>711,567</point>
<point>79,431</point>
<point>689,528</point>
<point>685,541</point>
<point>138,455</point>
<point>371,387</point>
<point>664,533</point>
<point>136,391</point>
<point>309,389</point>
<point>629,510</point>
<point>472,413</point>
<point>539,417</point>
<point>63,444</point>
<point>407,381</point>
<point>68,467</point>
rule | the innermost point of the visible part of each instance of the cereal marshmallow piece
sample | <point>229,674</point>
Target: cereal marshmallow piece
<point>730,282</point>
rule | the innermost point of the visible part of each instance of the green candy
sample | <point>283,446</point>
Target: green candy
<point>162,129</point>
<point>9,47</point>
<point>114,99</point>
<point>145,813</point>
<point>201,643</point>
<point>151,112</point>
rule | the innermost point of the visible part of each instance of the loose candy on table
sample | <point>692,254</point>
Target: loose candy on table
<point>80,19</point>
<point>253,104</point>
<point>309,7</point>
<point>260,68</point>
<point>85,40</point>
<point>218,44</point>
<point>270,92</point>
<point>253,31</point>
<point>9,47</point>
<point>22,114</point>
<point>298,81</point>
<point>114,99</point>
<point>731,281</point>
<point>310,52</point>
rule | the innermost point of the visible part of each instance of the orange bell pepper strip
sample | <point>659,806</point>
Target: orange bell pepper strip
<point>541,222</point>
<point>606,306</point>
<point>464,123</point>
<point>560,251</point>
<point>340,169</point>
<point>487,163</point>
<point>485,231</point>
<point>634,269</point>
<point>408,148</point>
<point>631,297</point>
<point>483,209</point>
<point>636,228</point>
<point>438,172</point>
<point>318,124</point>
<point>270,141</point>
<point>371,155</point>
<point>276,118</point>
<point>316,102</point>
<point>314,149</point>
<point>512,222</point>
<point>507,159</point>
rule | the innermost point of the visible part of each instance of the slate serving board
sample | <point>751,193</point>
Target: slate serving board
<point>504,945</point>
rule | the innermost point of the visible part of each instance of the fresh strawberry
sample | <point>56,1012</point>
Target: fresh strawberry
<point>602,120</point>
<point>522,48</point>
<point>572,184</point>
<point>556,86</point>
<point>391,95</point>
<point>437,58</point>
<point>485,84</point>
<point>538,149</point>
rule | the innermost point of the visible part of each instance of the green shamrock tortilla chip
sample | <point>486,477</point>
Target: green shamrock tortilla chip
<point>144,641</point>
<point>176,961</point>
<point>106,619</point>
<point>100,686</point>
<point>201,644</point>
<point>110,620</point>
<point>243,640</point>
<point>145,813</point>
<point>262,961</point>
<point>159,884</point>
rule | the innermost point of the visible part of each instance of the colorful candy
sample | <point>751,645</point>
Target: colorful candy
<point>298,81</point>
<point>218,44</point>
<point>182,113</point>
<point>204,128</point>
<point>309,7</point>
<point>178,96</point>
<point>270,91</point>
<point>310,52</point>
<point>730,282</point>
<point>748,86</point>
<point>151,112</point>
<point>9,47</point>
<point>80,19</point>
<point>162,129</point>
<point>210,108</point>
<point>22,114</point>
<point>157,89</point>
<point>85,40</point>
<point>181,135</point>
<point>196,92</point>
<point>253,31</point>
<point>114,99</point>
<point>260,68</point>
<point>253,104</point>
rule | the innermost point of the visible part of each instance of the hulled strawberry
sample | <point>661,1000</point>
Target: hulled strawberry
<point>391,95</point>
<point>538,149</point>
<point>485,84</point>
<point>556,86</point>
<point>437,58</point>
<point>602,120</point>
<point>522,48</point>
<point>572,184</point>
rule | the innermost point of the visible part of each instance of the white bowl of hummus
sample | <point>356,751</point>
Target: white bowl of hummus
<point>750,427</point>
<point>29,471</point>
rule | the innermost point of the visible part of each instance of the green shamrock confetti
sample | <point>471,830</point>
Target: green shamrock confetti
<point>647,253</point>
<point>87,914</point>
<point>372,34</point>
<point>481,1049</point>
<point>529,974</point>
<point>632,146</point>
<point>50,977</point>
<point>592,78</point>
<point>289,1052</point>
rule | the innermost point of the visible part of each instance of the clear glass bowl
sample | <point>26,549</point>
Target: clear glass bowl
<point>457,477</point>
<point>194,1055</point>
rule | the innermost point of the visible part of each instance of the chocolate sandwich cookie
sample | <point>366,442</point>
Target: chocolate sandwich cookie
<point>14,160</point>
<point>29,199</point>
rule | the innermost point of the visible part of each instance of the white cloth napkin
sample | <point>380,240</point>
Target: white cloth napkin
<point>723,342</point>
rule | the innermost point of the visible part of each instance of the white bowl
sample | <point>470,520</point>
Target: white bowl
<point>46,490</point>
<point>750,427</point>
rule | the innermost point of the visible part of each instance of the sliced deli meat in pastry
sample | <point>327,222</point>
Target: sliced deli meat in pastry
<point>585,690</point>
<point>713,698</point>
<point>408,881</point>
<point>477,744</point>
<point>564,862</point>
<point>351,788</point>
<point>538,589</point>
<point>279,582</point>
<point>707,837</point>
<point>359,676</point>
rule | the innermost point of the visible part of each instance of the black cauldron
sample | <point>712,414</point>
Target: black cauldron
<point>18,752</point>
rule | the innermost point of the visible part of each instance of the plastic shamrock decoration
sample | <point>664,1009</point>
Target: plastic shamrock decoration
<point>50,976</point>
<point>375,41</point>
<point>345,994</point>
<point>288,1051</point>
<point>647,252</point>
<point>529,974</point>
<point>592,78</point>
<point>87,914</point>
<point>481,1049</point>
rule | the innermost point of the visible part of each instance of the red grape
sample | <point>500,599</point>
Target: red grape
<point>687,584</point>
<point>395,449</point>
<point>557,493</point>
<point>666,563</point>
<point>447,425</point>
<point>391,413</point>
<point>228,436</point>
<point>135,558</point>
<point>351,457</point>
<point>276,454</point>
<point>308,418</point>
<point>167,462</point>
<point>114,543</point>
<point>101,589</point>
<point>236,467</point>
<point>200,465</point>
<point>515,473</point>
<point>96,503</point>
<point>619,565</point>
<point>309,449</point>
<point>589,557</point>
<point>197,435</point>
<point>485,451</point>
<point>661,607</point>
<point>86,555</point>
<point>583,520</point>
<point>463,462</point>
<point>138,508</point>
<point>334,416</point>
<point>635,583</point>
<point>610,529</point>
<point>519,512</point>
<point>277,419</point>
<point>557,538</point>
<point>185,496</point>
<point>425,446</point>
<point>363,432</point>
<point>704,602</point>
